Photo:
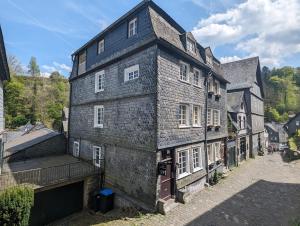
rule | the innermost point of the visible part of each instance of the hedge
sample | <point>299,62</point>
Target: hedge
<point>15,205</point>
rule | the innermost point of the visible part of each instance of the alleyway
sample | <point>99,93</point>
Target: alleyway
<point>262,191</point>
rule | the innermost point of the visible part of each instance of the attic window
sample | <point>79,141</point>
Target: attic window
<point>82,63</point>
<point>132,27</point>
<point>191,45</point>
<point>209,60</point>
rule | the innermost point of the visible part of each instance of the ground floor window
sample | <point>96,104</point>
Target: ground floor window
<point>210,153</point>
<point>97,155</point>
<point>183,163</point>
<point>76,149</point>
<point>197,159</point>
<point>217,151</point>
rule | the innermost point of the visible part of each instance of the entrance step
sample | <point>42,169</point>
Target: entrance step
<point>164,206</point>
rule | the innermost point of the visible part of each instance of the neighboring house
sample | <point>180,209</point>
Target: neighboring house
<point>237,114</point>
<point>245,75</point>
<point>138,100</point>
<point>293,125</point>
<point>4,75</point>
<point>277,135</point>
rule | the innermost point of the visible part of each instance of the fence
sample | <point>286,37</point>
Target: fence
<point>50,175</point>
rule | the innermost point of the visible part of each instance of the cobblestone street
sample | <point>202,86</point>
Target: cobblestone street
<point>262,191</point>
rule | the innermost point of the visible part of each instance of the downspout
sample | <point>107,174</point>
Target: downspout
<point>205,124</point>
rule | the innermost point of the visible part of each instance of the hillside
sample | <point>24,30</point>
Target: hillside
<point>282,92</point>
<point>35,98</point>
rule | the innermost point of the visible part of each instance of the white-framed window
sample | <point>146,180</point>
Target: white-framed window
<point>99,81</point>
<point>297,123</point>
<point>197,159</point>
<point>210,85</point>
<point>217,151</point>
<point>184,72</point>
<point>131,73</point>
<point>197,112</point>
<point>210,154</point>
<point>217,87</point>
<point>98,116</point>
<point>209,60</point>
<point>82,63</point>
<point>197,78</point>
<point>97,155</point>
<point>183,163</point>
<point>209,117</point>
<point>191,46</point>
<point>183,115</point>
<point>217,119</point>
<point>76,149</point>
<point>101,46</point>
<point>132,27</point>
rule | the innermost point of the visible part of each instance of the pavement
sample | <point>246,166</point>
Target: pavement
<point>262,191</point>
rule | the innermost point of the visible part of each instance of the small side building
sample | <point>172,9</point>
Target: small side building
<point>277,135</point>
<point>293,125</point>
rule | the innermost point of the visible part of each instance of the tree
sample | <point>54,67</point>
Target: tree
<point>33,67</point>
<point>14,64</point>
<point>15,205</point>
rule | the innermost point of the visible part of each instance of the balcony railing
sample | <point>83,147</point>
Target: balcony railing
<point>51,175</point>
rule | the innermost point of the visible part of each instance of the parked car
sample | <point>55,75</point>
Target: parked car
<point>283,147</point>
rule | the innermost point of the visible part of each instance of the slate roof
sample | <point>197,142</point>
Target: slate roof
<point>292,119</point>
<point>234,101</point>
<point>242,73</point>
<point>4,70</point>
<point>278,128</point>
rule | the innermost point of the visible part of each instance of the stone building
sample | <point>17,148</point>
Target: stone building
<point>4,75</point>
<point>278,137</point>
<point>239,129</point>
<point>245,75</point>
<point>293,125</point>
<point>138,101</point>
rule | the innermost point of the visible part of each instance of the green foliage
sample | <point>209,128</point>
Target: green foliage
<point>282,92</point>
<point>33,67</point>
<point>15,205</point>
<point>34,99</point>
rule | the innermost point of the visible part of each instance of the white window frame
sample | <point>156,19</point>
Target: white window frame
<point>209,60</point>
<point>199,156</point>
<point>97,157</point>
<point>217,151</point>
<point>199,78</point>
<point>209,117</point>
<point>82,65</point>
<point>211,85</point>
<point>216,118</point>
<point>181,74</point>
<point>181,122</point>
<point>216,87</point>
<point>132,73</point>
<point>76,149</point>
<point>199,116</point>
<point>187,172</point>
<point>210,150</point>
<point>99,86</point>
<point>101,46</point>
<point>191,45</point>
<point>132,30</point>
<point>98,108</point>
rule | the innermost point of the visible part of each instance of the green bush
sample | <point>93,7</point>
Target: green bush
<point>15,205</point>
<point>19,120</point>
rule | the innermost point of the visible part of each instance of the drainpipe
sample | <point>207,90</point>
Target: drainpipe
<point>205,124</point>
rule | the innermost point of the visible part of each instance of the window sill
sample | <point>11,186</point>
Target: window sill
<point>99,91</point>
<point>197,86</point>
<point>98,127</point>
<point>186,82</point>
<point>197,169</point>
<point>183,126</point>
<point>197,126</point>
<point>183,175</point>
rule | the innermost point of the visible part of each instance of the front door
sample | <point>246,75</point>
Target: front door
<point>243,148</point>
<point>167,179</point>
<point>231,157</point>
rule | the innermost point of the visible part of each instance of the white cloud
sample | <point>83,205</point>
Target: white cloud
<point>45,74</point>
<point>229,59</point>
<point>267,28</point>
<point>62,66</point>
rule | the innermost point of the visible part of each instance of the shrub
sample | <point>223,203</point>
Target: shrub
<point>19,120</point>
<point>15,205</point>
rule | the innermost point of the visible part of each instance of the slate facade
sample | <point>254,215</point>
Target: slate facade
<point>293,125</point>
<point>150,83</point>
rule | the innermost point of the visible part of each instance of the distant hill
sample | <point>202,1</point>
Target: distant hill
<point>35,98</point>
<point>282,92</point>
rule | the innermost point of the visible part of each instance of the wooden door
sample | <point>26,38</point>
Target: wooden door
<point>167,180</point>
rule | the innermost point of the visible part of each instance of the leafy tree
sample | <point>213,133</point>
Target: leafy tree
<point>15,205</point>
<point>33,67</point>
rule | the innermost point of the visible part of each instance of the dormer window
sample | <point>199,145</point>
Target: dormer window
<point>191,46</point>
<point>82,63</point>
<point>216,87</point>
<point>209,60</point>
<point>101,46</point>
<point>132,27</point>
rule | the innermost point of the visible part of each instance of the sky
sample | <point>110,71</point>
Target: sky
<point>51,30</point>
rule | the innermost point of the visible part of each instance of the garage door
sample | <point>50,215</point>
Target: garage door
<point>56,203</point>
